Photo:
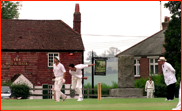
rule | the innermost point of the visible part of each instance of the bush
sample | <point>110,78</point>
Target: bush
<point>160,86</point>
<point>6,83</point>
<point>20,90</point>
<point>140,83</point>
<point>160,90</point>
<point>103,86</point>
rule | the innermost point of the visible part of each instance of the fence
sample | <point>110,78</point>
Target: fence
<point>84,89</point>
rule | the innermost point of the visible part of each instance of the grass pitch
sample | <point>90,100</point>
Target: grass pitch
<point>91,104</point>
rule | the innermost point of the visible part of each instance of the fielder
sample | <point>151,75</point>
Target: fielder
<point>150,88</point>
<point>59,74</point>
<point>76,72</point>
<point>178,107</point>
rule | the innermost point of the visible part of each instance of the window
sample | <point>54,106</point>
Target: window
<point>136,67</point>
<point>153,68</point>
<point>51,58</point>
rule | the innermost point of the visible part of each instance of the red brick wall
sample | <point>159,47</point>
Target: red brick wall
<point>144,67</point>
<point>37,70</point>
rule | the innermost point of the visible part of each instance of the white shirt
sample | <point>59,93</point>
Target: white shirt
<point>78,72</point>
<point>149,85</point>
<point>169,73</point>
<point>58,70</point>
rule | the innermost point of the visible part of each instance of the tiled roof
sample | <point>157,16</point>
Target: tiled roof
<point>151,46</point>
<point>39,35</point>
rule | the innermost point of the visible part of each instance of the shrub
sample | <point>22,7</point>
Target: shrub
<point>140,83</point>
<point>160,90</point>
<point>20,90</point>
<point>103,86</point>
<point>6,83</point>
<point>160,86</point>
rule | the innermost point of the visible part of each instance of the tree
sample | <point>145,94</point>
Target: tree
<point>89,58</point>
<point>112,51</point>
<point>173,37</point>
<point>9,9</point>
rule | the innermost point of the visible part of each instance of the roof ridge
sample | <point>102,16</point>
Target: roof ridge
<point>139,42</point>
<point>44,32</point>
<point>70,27</point>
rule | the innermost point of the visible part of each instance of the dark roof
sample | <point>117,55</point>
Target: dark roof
<point>39,35</point>
<point>151,46</point>
<point>15,77</point>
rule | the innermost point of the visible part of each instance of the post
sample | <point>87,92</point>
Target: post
<point>92,73</point>
<point>160,16</point>
<point>87,91</point>
<point>99,90</point>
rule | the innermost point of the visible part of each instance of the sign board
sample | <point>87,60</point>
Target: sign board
<point>16,62</point>
<point>100,67</point>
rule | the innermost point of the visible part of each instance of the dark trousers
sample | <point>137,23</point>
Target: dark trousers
<point>170,91</point>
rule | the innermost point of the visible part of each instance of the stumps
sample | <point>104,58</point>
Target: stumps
<point>99,90</point>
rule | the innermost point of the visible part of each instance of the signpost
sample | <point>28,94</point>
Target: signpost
<point>99,69</point>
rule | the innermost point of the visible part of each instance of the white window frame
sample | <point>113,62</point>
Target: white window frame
<point>53,57</point>
<point>137,58</point>
<point>153,58</point>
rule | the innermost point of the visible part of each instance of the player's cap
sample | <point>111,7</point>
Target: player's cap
<point>56,57</point>
<point>162,59</point>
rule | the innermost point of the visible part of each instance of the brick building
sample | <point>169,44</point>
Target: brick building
<point>29,46</point>
<point>147,52</point>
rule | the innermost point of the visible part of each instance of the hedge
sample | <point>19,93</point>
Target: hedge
<point>103,86</point>
<point>20,90</point>
<point>160,86</point>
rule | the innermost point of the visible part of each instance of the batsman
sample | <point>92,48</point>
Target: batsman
<point>76,72</point>
<point>59,75</point>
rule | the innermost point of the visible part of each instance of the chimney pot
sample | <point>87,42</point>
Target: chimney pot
<point>166,19</point>
<point>77,8</point>
<point>165,23</point>
<point>77,19</point>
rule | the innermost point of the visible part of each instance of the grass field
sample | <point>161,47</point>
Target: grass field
<point>91,104</point>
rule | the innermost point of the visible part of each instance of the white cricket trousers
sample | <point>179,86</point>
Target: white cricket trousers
<point>150,93</point>
<point>178,107</point>
<point>76,84</point>
<point>57,87</point>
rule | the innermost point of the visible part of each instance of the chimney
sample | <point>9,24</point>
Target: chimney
<point>77,19</point>
<point>165,23</point>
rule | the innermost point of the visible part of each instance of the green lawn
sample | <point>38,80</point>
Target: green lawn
<point>91,104</point>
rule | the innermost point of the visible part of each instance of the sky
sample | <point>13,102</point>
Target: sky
<point>104,24</point>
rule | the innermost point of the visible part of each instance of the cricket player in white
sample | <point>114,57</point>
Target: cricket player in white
<point>76,72</point>
<point>178,107</point>
<point>150,88</point>
<point>59,74</point>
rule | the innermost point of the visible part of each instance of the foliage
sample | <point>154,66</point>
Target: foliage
<point>20,90</point>
<point>173,37</point>
<point>111,52</point>
<point>140,83</point>
<point>160,86</point>
<point>89,55</point>
<point>103,86</point>
<point>9,9</point>
<point>6,83</point>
